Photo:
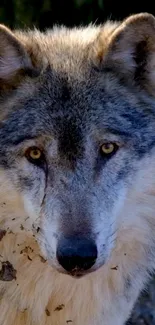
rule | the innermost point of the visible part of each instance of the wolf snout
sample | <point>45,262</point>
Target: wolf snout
<point>76,255</point>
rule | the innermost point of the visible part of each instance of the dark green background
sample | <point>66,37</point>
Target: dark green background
<point>45,13</point>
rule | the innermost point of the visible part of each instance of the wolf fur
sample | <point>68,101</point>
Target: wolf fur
<point>68,92</point>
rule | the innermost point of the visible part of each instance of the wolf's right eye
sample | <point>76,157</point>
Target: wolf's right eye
<point>109,148</point>
<point>35,156</point>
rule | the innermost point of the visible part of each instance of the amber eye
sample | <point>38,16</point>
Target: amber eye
<point>109,148</point>
<point>34,155</point>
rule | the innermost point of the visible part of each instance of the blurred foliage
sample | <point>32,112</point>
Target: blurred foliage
<point>46,13</point>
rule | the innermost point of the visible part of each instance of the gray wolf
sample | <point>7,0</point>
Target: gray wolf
<point>77,166</point>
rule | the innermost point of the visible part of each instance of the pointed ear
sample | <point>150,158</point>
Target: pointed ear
<point>14,60</point>
<point>131,51</point>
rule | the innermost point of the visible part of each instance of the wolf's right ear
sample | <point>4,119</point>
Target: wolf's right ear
<point>130,51</point>
<point>14,59</point>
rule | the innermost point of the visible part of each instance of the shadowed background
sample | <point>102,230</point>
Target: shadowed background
<point>46,13</point>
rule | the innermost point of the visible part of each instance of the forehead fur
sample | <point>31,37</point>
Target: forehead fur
<point>62,48</point>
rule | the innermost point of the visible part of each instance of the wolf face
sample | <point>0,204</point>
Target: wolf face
<point>77,121</point>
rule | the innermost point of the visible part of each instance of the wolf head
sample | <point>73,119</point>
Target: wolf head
<point>77,126</point>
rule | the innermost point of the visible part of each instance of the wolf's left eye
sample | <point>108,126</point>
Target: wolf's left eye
<point>35,155</point>
<point>109,148</point>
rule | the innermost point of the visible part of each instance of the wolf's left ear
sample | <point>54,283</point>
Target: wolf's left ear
<point>131,50</point>
<point>14,59</point>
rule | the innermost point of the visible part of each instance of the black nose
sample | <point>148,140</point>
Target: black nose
<point>76,254</point>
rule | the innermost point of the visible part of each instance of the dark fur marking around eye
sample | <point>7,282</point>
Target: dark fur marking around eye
<point>21,139</point>
<point>7,272</point>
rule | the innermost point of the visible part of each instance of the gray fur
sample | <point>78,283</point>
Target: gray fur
<point>77,104</point>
